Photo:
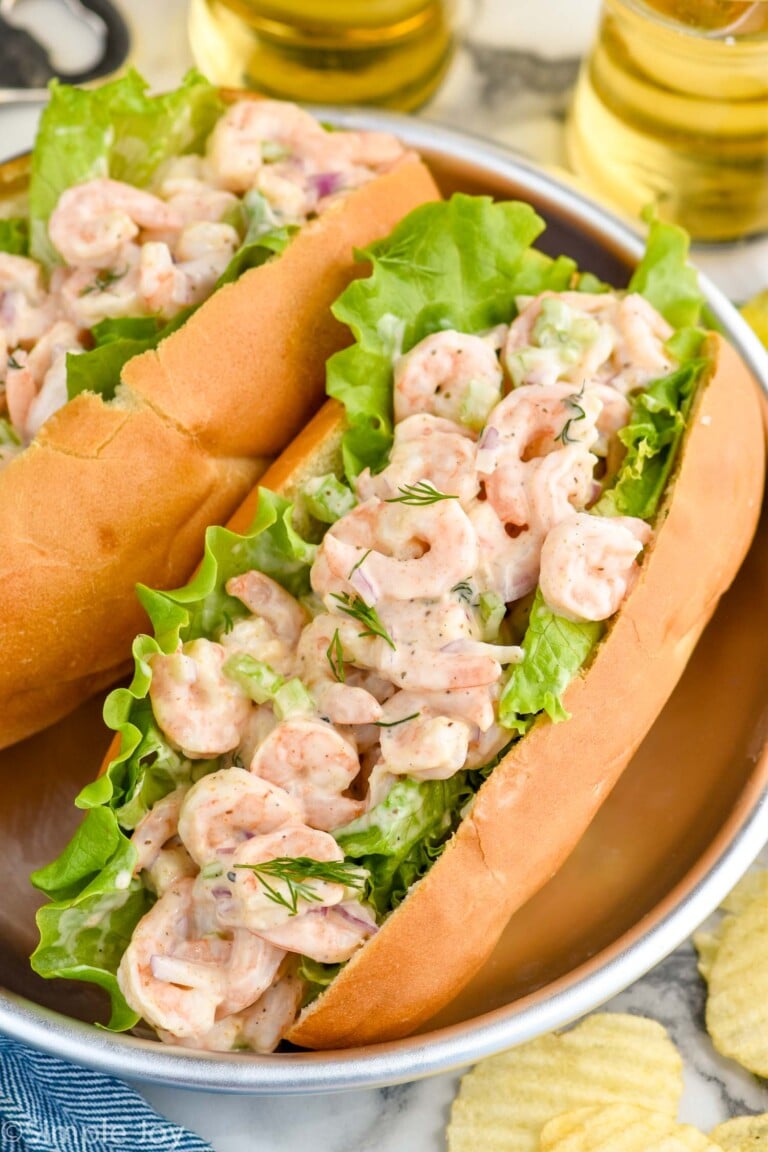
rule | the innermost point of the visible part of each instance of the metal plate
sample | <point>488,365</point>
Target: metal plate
<point>687,818</point>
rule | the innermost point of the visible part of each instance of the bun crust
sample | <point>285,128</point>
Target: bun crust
<point>538,802</point>
<point>111,494</point>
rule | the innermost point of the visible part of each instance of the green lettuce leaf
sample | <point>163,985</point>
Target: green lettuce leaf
<point>454,264</point>
<point>115,130</point>
<point>652,437</point>
<point>14,236</point>
<point>555,649</point>
<point>96,906</point>
<point>665,277</point>
<point>397,837</point>
<point>317,977</point>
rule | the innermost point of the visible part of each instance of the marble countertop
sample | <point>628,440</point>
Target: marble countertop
<point>510,80</point>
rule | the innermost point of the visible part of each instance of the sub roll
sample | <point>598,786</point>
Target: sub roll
<point>166,273</point>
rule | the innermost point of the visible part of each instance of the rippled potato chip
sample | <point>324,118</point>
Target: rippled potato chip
<point>505,1101</point>
<point>621,1128</point>
<point>756,314</point>
<point>744,1134</point>
<point>734,961</point>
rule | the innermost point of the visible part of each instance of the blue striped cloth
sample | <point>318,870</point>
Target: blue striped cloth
<point>48,1105</point>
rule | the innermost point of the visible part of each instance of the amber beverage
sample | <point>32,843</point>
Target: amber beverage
<point>390,53</point>
<point>671,107</point>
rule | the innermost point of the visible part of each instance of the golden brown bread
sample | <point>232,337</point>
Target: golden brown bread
<point>538,802</point>
<point>111,494</point>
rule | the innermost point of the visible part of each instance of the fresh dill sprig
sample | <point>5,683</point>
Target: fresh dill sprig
<point>13,362</point>
<point>419,494</point>
<point>296,872</point>
<point>572,402</point>
<point>357,609</point>
<point>464,591</point>
<point>362,560</point>
<point>103,281</point>
<point>394,723</point>
<point>335,656</point>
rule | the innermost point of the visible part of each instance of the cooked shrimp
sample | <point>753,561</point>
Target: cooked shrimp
<point>228,807</point>
<point>172,863</point>
<point>329,639</point>
<point>171,281</point>
<point>92,222</point>
<point>26,309</point>
<point>199,708</point>
<point>328,935</point>
<point>425,448</point>
<point>448,374</point>
<point>531,427</point>
<point>509,562</point>
<point>588,564</point>
<point>180,980</point>
<point>558,485</point>
<point>38,387</point>
<point>195,202</point>
<point>88,296</point>
<point>534,420</point>
<point>474,705</point>
<point>614,415</point>
<point>420,743</point>
<point>259,1028</point>
<point>269,600</point>
<point>246,898</point>
<point>159,825</point>
<point>252,132</point>
<point>396,550</point>
<point>485,745</point>
<point>443,671</point>
<point>315,764</point>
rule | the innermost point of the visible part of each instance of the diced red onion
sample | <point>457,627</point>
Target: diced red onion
<point>363,585</point>
<point>359,922</point>
<point>489,439</point>
<point>326,183</point>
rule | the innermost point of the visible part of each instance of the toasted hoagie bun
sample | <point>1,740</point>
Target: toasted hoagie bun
<point>111,493</point>
<point>262,729</point>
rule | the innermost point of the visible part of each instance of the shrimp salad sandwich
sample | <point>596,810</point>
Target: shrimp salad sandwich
<point>342,762</point>
<point>167,266</point>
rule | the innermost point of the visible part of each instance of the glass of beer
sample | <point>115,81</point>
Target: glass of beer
<point>390,53</point>
<point>671,108</point>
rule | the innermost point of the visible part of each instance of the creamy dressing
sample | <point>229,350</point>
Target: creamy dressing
<point>399,672</point>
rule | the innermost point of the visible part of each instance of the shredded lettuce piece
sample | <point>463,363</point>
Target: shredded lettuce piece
<point>96,904</point>
<point>14,236</point>
<point>454,264</point>
<point>116,130</point>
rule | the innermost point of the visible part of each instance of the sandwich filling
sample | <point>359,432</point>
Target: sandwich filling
<point>301,740</point>
<point>112,265</point>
